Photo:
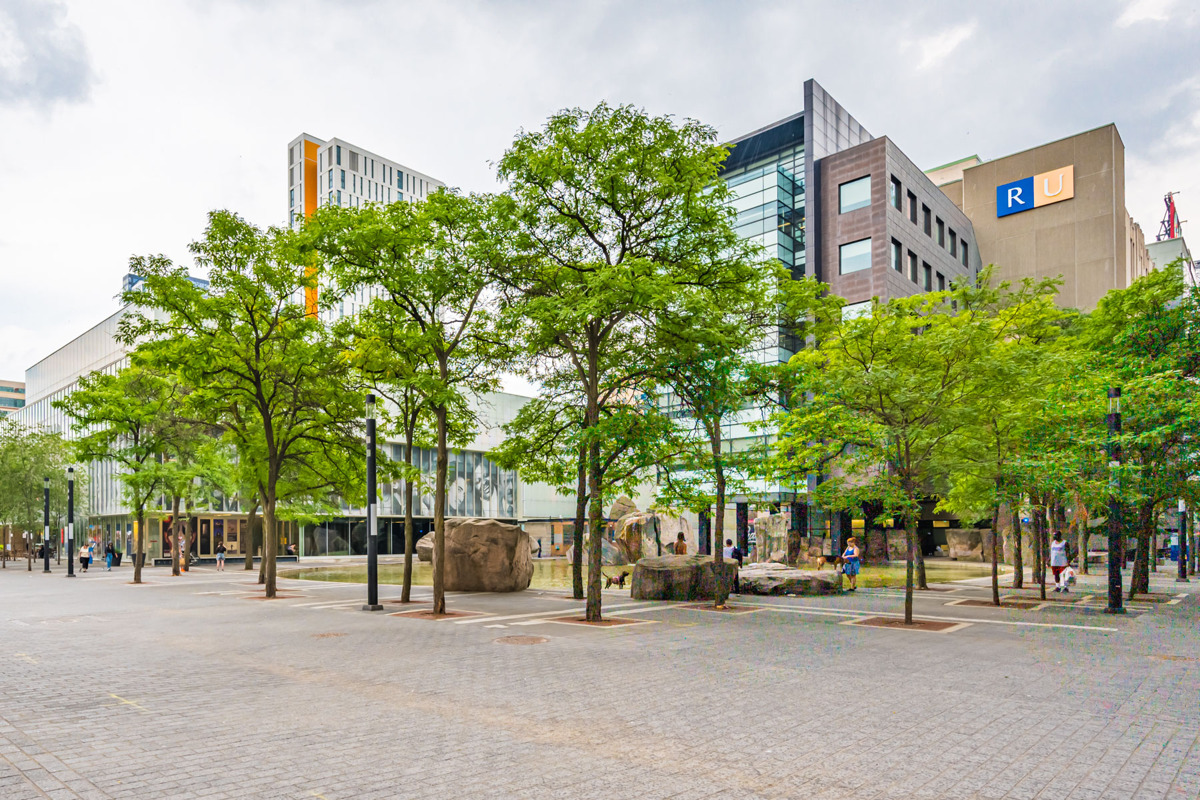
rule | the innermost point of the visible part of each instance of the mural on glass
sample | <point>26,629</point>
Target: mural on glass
<point>475,487</point>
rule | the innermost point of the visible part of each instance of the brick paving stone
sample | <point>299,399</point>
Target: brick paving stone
<point>174,690</point>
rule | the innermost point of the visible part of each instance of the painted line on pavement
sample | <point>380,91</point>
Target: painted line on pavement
<point>558,612</point>
<point>855,613</point>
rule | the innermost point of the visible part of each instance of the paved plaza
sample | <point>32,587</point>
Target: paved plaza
<point>195,687</point>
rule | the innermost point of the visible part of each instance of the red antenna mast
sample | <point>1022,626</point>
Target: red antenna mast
<point>1171,226</point>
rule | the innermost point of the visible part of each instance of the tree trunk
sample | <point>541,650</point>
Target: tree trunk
<point>248,538</point>
<point>996,554</point>
<point>595,495</point>
<point>439,514</point>
<point>1039,556</point>
<point>409,541</point>
<point>1018,554</point>
<point>1139,581</point>
<point>910,533</point>
<point>920,560</point>
<point>175,526</point>
<point>270,542</point>
<point>718,551</point>
<point>138,543</point>
<point>581,499</point>
<point>1154,549</point>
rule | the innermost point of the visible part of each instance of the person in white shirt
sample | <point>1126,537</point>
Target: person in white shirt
<point>1058,562</point>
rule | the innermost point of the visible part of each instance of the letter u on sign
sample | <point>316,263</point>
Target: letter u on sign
<point>1054,186</point>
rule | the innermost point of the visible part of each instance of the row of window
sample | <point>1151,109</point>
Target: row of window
<point>923,277</point>
<point>13,389</point>
<point>856,194</point>
<point>957,246</point>
<point>388,176</point>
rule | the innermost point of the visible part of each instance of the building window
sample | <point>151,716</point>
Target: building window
<point>941,229</point>
<point>854,256</point>
<point>897,263</point>
<point>339,198</point>
<point>964,253</point>
<point>912,207</point>
<point>953,243</point>
<point>927,275</point>
<point>399,180</point>
<point>912,266</point>
<point>291,198</point>
<point>927,220</point>
<point>339,155</point>
<point>941,279</point>
<point>854,194</point>
<point>896,197</point>
<point>330,180</point>
<point>852,310</point>
<point>343,178</point>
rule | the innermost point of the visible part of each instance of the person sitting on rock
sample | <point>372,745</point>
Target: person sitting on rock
<point>680,545</point>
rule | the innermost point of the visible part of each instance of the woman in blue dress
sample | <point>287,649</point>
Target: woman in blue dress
<point>851,562</point>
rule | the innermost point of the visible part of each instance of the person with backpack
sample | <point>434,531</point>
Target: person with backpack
<point>732,553</point>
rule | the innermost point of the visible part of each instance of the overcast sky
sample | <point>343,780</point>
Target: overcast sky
<point>123,123</point>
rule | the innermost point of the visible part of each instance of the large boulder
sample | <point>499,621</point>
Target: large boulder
<point>781,579</point>
<point>964,544</point>
<point>483,555</point>
<point>640,536</point>
<point>679,578</point>
<point>771,537</point>
<point>424,548</point>
<point>611,555</point>
<point>622,506</point>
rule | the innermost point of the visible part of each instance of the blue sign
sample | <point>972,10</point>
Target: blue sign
<point>1014,197</point>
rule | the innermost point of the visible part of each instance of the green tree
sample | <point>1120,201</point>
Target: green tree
<point>621,217</point>
<point>127,418</point>
<point>883,392</point>
<point>260,368</point>
<point>27,456</point>
<point>429,265</point>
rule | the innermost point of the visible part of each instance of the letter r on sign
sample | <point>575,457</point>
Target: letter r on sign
<point>1013,197</point>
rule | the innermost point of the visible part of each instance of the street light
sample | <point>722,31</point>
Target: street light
<point>45,525</point>
<point>372,515</point>
<point>70,522</point>
<point>1181,557</point>
<point>1116,547</point>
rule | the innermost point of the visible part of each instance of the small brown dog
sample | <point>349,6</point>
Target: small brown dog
<point>821,561</point>
<point>619,580</point>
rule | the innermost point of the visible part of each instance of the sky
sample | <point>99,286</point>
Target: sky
<point>123,123</point>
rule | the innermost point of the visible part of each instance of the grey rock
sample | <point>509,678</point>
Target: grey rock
<point>778,579</point>
<point>679,578</point>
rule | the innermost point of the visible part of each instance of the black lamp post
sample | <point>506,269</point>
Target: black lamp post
<point>45,525</point>
<point>372,515</point>
<point>1116,545</point>
<point>70,522</point>
<point>1182,552</point>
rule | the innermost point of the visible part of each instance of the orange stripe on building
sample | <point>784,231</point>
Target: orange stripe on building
<point>311,181</point>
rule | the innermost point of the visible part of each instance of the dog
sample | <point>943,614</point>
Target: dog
<point>619,580</point>
<point>821,561</point>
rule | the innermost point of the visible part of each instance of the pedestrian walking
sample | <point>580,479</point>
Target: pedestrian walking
<point>1058,562</point>
<point>732,553</point>
<point>680,545</point>
<point>221,557</point>
<point>109,553</point>
<point>851,562</point>
<point>84,559</point>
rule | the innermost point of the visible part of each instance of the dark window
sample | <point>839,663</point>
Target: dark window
<point>912,266</point>
<point>343,178</point>
<point>896,196</point>
<point>941,279</point>
<point>927,220</point>
<point>854,256</point>
<point>953,243</point>
<point>927,275</point>
<point>941,228</point>
<point>897,264</point>
<point>964,254</point>
<point>912,207</point>
<point>339,155</point>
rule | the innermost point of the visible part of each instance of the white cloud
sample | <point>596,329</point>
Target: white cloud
<point>933,50</point>
<point>1145,11</point>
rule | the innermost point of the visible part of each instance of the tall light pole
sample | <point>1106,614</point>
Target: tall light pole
<point>372,515</point>
<point>70,522</point>
<point>1116,545</point>
<point>1181,558</point>
<point>45,525</point>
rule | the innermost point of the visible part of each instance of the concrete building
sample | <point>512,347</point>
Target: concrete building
<point>12,397</point>
<point>830,200</point>
<point>1055,210</point>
